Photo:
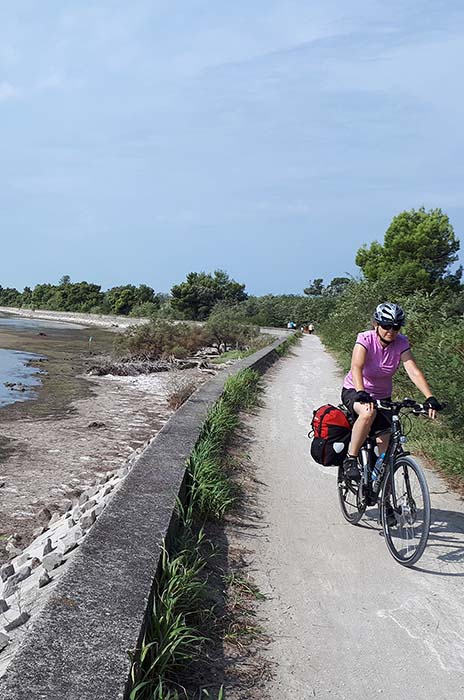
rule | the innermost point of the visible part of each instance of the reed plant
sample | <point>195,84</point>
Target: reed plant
<point>172,638</point>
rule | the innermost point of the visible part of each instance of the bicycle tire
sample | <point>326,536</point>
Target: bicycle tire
<point>346,491</point>
<point>404,542</point>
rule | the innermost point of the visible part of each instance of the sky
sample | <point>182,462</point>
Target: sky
<point>143,140</point>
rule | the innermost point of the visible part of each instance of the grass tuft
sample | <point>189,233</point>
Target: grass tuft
<point>284,348</point>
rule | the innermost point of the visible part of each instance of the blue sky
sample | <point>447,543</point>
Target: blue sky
<point>142,140</point>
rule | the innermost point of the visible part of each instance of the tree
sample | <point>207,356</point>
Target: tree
<point>196,297</point>
<point>41,295</point>
<point>337,286</point>
<point>76,296</point>
<point>126,298</point>
<point>27,296</point>
<point>145,294</point>
<point>419,248</point>
<point>315,288</point>
<point>228,328</point>
<point>9,296</point>
<point>121,299</point>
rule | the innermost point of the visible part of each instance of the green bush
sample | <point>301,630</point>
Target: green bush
<point>228,328</point>
<point>159,339</point>
<point>146,310</point>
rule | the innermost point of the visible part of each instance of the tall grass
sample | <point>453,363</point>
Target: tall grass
<point>173,638</point>
<point>284,348</point>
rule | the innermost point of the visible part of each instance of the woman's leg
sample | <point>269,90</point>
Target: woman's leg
<point>362,425</point>
<point>382,442</point>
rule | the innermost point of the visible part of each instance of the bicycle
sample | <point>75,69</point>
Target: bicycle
<point>400,490</point>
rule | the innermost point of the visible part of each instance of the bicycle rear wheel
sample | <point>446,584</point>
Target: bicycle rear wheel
<point>351,498</point>
<point>405,510</point>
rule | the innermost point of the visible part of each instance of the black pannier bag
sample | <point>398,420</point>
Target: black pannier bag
<point>330,433</point>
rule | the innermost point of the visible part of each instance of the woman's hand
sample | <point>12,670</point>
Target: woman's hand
<point>363,397</point>
<point>432,405</point>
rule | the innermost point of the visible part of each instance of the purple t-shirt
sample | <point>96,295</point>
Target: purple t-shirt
<point>380,364</point>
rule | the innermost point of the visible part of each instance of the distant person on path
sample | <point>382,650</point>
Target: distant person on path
<point>376,357</point>
<point>310,329</point>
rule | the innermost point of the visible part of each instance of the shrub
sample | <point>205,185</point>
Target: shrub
<point>227,327</point>
<point>146,310</point>
<point>159,339</point>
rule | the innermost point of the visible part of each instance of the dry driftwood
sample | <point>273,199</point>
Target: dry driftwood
<point>132,368</point>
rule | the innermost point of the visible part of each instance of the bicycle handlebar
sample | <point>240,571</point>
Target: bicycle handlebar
<point>417,408</point>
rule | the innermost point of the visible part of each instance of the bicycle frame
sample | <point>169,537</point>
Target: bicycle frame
<point>395,448</point>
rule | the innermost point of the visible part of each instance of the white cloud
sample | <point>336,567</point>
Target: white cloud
<point>51,82</point>
<point>7,91</point>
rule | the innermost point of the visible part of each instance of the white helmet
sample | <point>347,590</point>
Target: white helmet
<point>388,313</point>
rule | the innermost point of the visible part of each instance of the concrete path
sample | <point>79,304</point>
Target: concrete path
<point>346,621</point>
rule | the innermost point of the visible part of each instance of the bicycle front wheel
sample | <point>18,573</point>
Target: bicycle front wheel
<point>405,509</point>
<point>350,496</point>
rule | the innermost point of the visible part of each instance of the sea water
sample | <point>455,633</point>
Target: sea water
<point>14,368</point>
<point>14,364</point>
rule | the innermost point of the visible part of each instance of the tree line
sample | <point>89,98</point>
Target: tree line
<point>418,251</point>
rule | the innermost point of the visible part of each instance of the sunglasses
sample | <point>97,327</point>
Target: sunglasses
<point>390,326</point>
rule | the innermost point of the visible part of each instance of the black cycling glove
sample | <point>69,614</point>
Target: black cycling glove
<point>363,397</point>
<point>432,403</point>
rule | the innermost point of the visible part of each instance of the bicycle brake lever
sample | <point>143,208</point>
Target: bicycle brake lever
<point>410,403</point>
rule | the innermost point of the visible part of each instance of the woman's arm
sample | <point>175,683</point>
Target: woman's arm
<point>417,377</point>
<point>358,359</point>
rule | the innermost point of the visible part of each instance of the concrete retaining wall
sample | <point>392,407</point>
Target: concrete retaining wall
<point>77,648</point>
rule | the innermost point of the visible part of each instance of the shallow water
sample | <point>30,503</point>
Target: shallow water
<point>28,324</point>
<point>14,368</point>
<point>14,364</point>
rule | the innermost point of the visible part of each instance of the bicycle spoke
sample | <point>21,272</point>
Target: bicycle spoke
<point>409,503</point>
<point>352,502</point>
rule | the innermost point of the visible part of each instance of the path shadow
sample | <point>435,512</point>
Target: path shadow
<point>445,547</point>
<point>444,554</point>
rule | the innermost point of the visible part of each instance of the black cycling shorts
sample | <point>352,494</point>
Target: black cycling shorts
<point>382,421</point>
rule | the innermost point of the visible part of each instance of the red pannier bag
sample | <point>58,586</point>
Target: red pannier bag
<point>330,433</point>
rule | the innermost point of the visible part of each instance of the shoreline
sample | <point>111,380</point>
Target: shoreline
<point>113,323</point>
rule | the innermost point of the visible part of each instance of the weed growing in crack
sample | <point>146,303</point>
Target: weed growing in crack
<point>235,580</point>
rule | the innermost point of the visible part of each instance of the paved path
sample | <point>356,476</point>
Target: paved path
<point>345,619</point>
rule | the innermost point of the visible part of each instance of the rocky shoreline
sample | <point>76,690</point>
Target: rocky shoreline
<point>30,575</point>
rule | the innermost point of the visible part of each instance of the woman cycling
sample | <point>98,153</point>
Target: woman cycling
<point>376,357</point>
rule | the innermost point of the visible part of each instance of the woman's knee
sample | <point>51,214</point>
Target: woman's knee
<point>366,417</point>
